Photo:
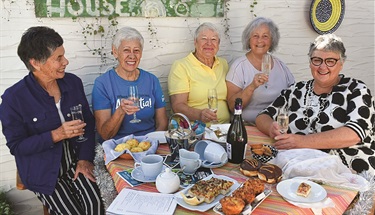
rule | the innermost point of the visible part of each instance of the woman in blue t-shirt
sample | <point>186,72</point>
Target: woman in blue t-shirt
<point>112,110</point>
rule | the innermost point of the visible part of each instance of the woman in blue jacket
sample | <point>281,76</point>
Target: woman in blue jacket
<point>40,131</point>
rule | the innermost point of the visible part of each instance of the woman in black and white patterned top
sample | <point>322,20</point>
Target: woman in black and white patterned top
<point>331,112</point>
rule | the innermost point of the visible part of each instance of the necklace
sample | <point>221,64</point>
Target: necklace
<point>313,104</point>
<point>128,78</point>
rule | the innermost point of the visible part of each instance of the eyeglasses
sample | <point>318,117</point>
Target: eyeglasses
<point>317,61</point>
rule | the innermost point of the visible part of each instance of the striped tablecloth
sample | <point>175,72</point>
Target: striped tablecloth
<point>274,204</point>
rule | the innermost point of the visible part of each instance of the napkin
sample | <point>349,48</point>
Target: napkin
<point>318,165</point>
<point>110,145</point>
<point>316,207</point>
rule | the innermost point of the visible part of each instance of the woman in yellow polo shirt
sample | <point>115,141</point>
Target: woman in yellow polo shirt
<point>192,76</point>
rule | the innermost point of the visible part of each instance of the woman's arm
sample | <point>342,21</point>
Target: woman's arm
<point>236,92</point>
<point>333,139</point>
<point>179,105</point>
<point>107,125</point>
<point>161,119</point>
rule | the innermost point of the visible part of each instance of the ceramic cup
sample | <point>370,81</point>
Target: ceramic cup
<point>151,165</point>
<point>215,153</point>
<point>210,152</point>
<point>189,161</point>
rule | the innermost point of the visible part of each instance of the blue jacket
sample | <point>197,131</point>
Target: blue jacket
<point>28,115</point>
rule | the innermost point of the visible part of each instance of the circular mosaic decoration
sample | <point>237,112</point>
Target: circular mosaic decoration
<point>326,15</point>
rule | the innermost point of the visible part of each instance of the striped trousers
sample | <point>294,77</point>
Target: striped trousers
<point>72,197</point>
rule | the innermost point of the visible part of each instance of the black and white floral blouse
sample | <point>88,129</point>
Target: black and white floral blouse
<point>349,104</point>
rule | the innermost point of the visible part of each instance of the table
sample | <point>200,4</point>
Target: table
<point>274,204</point>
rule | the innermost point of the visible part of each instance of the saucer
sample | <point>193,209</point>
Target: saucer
<point>137,174</point>
<point>215,165</point>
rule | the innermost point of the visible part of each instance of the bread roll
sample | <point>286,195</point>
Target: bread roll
<point>145,145</point>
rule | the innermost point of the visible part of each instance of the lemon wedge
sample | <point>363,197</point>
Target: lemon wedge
<point>192,200</point>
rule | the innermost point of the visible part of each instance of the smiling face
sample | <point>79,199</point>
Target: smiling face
<point>128,54</point>
<point>53,68</point>
<point>260,40</point>
<point>324,76</point>
<point>207,44</point>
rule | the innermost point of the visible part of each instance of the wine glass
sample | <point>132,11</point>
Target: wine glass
<point>76,112</point>
<point>133,96</point>
<point>212,101</point>
<point>283,120</point>
<point>266,65</point>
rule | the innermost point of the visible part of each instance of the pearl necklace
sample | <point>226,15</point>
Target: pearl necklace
<point>312,103</point>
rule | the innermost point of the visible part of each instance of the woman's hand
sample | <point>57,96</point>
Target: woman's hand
<point>128,107</point>
<point>86,168</point>
<point>68,130</point>
<point>289,141</point>
<point>259,79</point>
<point>207,115</point>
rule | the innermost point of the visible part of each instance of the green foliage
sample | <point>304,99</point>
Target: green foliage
<point>252,6</point>
<point>5,206</point>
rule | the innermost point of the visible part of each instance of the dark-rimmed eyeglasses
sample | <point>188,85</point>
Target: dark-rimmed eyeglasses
<point>317,61</point>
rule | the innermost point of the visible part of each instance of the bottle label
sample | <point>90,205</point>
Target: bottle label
<point>237,111</point>
<point>229,151</point>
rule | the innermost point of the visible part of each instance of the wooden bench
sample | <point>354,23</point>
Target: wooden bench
<point>21,186</point>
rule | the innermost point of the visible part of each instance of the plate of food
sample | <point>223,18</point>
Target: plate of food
<point>158,135</point>
<point>217,132</point>
<point>206,193</point>
<point>301,190</point>
<point>244,199</point>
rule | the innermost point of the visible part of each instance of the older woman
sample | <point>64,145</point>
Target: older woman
<point>41,133</point>
<point>245,78</point>
<point>112,110</point>
<point>192,76</point>
<point>330,112</point>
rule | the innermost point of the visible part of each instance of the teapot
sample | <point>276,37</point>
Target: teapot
<point>178,137</point>
<point>167,181</point>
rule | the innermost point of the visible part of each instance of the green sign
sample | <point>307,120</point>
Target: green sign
<point>129,8</point>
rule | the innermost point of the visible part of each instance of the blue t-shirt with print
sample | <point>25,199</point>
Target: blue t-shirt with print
<point>109,88</point>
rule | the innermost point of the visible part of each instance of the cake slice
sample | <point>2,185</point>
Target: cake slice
<point>303,189</point>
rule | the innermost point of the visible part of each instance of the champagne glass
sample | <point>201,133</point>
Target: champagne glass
<point>283,120</point>
<point>133,96</point>
<point>212,101</point>
<point>76,112</point>
<point>266,65</point>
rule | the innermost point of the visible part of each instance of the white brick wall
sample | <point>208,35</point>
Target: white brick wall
<point>173,40</point>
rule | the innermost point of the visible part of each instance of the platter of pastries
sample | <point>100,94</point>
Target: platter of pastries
<point>244,199</point>
<point>206,193</point>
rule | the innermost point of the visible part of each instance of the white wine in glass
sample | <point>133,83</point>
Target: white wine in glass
<point>283,120</point>
<point>133,96</point>
<point>266,65</point>
<point>212,101</point>
<point>76,112</point>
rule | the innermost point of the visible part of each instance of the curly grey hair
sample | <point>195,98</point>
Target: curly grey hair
<point>330,43</point>
<point>257,22</point>
<point>206,26</point>
<point>127,33</point>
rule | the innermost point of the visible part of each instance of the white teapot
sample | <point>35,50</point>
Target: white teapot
<point>167,181</point>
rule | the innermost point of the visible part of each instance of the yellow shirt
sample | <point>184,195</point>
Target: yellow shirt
<point>189,75</point>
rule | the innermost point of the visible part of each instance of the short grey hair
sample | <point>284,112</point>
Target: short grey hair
<point>205,26</point>
<point>127,33</point>
<point>328,43</point>
<point>257,22</point>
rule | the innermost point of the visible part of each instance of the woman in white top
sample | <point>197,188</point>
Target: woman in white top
<point>245,79</point>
